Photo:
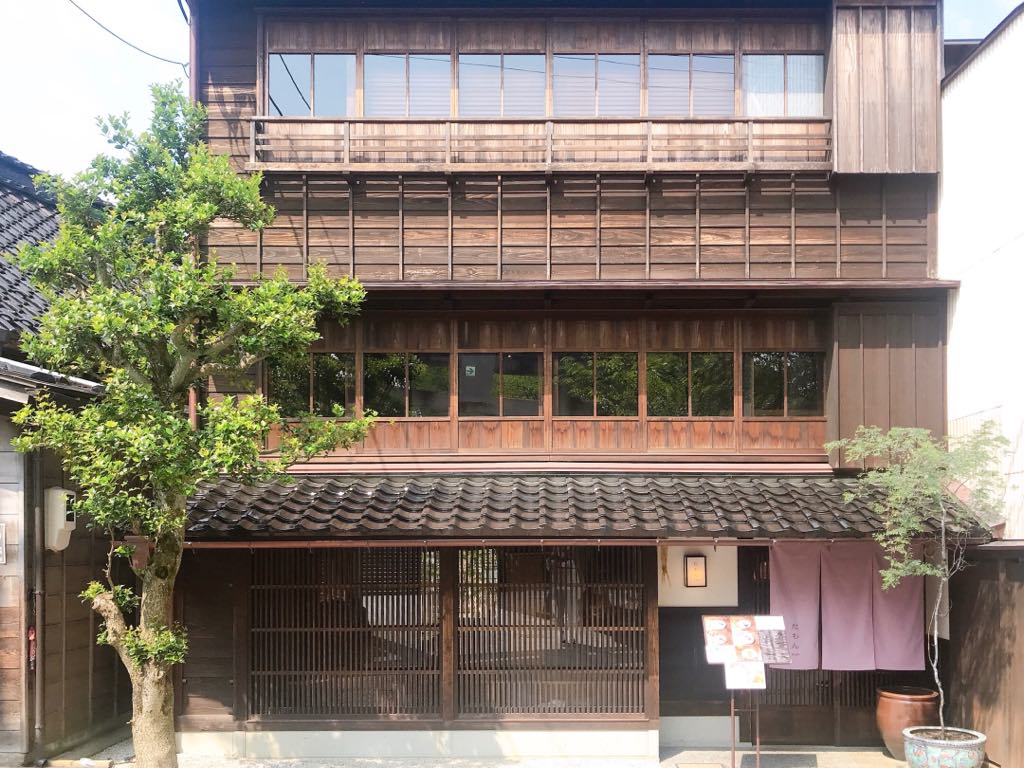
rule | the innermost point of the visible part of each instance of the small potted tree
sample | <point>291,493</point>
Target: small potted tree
<point>932,497</point>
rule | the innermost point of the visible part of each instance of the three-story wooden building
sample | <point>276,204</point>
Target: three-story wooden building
<point>628,271</point>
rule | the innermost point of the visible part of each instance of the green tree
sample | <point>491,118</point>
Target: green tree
<point>932,497</point>
<point>135,302</point>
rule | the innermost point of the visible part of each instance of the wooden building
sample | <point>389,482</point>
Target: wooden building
<point>628,271</point>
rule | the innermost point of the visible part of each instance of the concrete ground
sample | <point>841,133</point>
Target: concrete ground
<point>774,757</point>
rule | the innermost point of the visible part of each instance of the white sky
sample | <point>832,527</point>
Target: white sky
<point>60,70</point>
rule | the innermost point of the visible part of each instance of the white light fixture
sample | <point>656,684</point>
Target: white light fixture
<point>696,571</point>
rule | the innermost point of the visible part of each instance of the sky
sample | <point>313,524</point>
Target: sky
<point>61,71</point>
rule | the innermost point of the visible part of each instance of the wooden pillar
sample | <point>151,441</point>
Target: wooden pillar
<point>449,580</point>
<point>651,662</point>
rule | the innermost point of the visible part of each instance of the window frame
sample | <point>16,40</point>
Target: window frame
<point>784,55</point>
<point>555,416</point>
<point>357,75</point>
<point>541,375</point>
<point>502,55</point>
<point>822,365</point>
<point>689,384</point>
<point>406,392</point>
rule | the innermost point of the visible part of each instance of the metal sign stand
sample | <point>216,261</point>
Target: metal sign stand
<point>754,707</point>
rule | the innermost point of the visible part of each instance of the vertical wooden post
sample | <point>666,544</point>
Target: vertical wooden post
<point>651,661</point>
<point>448,583</point>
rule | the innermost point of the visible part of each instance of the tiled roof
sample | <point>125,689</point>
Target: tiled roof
<point>25,216</point>
<point>471,505</point>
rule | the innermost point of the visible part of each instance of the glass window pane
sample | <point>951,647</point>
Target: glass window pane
<point>668,86</point>
<point>334,81</point>
<point>618,86</point>
<point>520,383</point>
<point>479,85</point>
<point>384,85</point>
<point>525,85</point>
<point>478,384</point>
<point>714,86</point>
<point>574,384</point>
<point>384,383</point>
<point>288,385</point>
<point>289,87</point>
<point>428,384</point>
<point>430,85</point>
<point>667,384</point>
<point>806,383</point>
<point>711,387</point>
<point>334,382</point>
<point>763,383</point>
<point>617,384</point>
<point>574,85</point>
<point>805,85</point>
<point>763,86</point>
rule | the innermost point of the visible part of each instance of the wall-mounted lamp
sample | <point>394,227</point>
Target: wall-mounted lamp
<point>696,571</point>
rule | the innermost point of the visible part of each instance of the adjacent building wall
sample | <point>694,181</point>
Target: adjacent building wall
<point>981,244</point>
<point>12,594</point>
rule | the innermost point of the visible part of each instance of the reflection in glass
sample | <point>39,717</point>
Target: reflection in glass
<point>429,384</point>
<point>384,85</point>
<point>763,86</point>
<point>714,86</point>
<point>617,383</point>
<point>805,85</point>
<point>334,382</point>
<point>525,84</point>
<point>384,383</point>
<point>289,90</point>
<point>334,81</point>
<point>763,383</point>
<point>668,85</point>
<point>711,383</point>
<point>618,86</point>
<point>574,383</point>
<point>520,384</point>
<point>288,385</point>
<point>479,85</point>
<point>667,384</point>
<point>430,84</point>
<point>805,384</point>
<point>478,384</point>
<point>573,84</point>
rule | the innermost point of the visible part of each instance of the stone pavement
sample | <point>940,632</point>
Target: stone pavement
<point>782,757</point>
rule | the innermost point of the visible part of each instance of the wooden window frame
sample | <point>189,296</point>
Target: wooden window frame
<point>593,377</point>
<point>689,384</point>
<point>785,84</point>
<point>501,383</point>
<point>785,385</point>
<point>361,383</point>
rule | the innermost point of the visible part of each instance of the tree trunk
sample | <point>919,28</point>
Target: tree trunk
<point>153,718</point>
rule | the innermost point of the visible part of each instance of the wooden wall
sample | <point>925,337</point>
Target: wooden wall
<point>986,687</point>
<point>888,368</point>
<point>587,228</point>
<point>885,66</point>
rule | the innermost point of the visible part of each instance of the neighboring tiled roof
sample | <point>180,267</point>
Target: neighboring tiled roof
<point>550,505</point>
<point>23,380</point>
<point>26,216</point>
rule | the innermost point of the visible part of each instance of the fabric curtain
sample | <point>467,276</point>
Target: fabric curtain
<point>794,586</point>
<point>898,616</point>
<point>847,624</point>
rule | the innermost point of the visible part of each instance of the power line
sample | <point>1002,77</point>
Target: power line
<point>183,14</point>
<point>111,32</point>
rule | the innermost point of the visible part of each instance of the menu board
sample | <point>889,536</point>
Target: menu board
<point>745,675</point>
<point>761,639</point>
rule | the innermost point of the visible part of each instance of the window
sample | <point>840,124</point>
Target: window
<point>334,383</point>
<point>407,85</point>
<point>406,384</point>
<point>595,384</point>
<point>322,84</point>
<point>714,85</point>
<point>501,85</point>
<point>783,85</point>
<point>499,384</point>
<point>589,85</point>
<point>689,384</point>
<point>668,85</point>
<point>288,385</point>
<point>783,384</point>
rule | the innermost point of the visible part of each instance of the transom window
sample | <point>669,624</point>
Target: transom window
<point>689,384</point>
<point>596,383</point>
<point>502,85</point>
<point>323,84</point>
<point>783,384</point>
<point>783,85</point>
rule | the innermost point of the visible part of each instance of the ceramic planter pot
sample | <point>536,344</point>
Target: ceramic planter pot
<point>927,752</point>
<point>901,707</point>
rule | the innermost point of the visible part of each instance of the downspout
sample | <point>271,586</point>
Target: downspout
<point>38,592</point>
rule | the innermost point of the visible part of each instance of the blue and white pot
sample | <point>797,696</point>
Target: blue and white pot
<point>927,752</point>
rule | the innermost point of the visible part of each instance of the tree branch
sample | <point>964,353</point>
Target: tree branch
<point>116,627</point>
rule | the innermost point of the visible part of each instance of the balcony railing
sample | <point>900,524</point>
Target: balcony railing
<point>411,145</point>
